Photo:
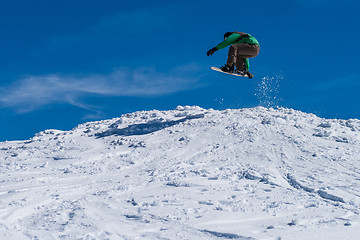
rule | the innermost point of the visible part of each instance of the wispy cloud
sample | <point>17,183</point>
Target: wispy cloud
<point>119,31</point>
<point>33,92</point>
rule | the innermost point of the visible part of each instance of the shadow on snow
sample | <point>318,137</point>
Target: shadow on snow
<point>144,128</point>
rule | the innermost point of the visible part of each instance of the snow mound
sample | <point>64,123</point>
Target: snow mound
<point>188,173</point>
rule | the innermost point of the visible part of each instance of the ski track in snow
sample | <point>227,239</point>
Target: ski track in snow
<point>189,173</point>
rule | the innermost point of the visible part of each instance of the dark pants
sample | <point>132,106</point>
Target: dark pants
<point>238,52</point>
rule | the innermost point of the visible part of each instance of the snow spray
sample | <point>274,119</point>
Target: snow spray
<point>267,91</point>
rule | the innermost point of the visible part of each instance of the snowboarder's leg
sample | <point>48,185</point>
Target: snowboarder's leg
<point>238,53</point>
<point>235,57</point>
<point>232,55</point>
<point>245,50</point>
<point>240,64</point>
<point>230,64</point>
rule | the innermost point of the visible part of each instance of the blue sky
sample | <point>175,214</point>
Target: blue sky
<point>68,62</point>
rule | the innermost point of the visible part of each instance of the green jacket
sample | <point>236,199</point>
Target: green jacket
<point>237,38</point>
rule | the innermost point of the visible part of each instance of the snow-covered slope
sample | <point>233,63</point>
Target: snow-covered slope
<point>190,173</point>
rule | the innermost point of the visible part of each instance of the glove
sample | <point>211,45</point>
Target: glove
<point>211,51</point>
<point>249,74</point>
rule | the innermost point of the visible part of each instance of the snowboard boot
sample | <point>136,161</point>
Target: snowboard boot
<point>243,73</point>
<point>227,68</point>
<point>240,72</point>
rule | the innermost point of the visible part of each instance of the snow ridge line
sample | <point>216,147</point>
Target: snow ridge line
<point>295,184</point>
<point>227,235</point>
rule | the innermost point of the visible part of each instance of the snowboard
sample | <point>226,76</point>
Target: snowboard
<point>234,74</point>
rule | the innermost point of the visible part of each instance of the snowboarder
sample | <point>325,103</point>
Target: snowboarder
<point>243,46</point>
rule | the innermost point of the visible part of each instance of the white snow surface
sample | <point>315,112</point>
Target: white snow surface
<point>188,173</point>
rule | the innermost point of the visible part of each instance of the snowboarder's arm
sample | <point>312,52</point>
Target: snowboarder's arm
<point>228,41</point>
<point>247,64</point>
